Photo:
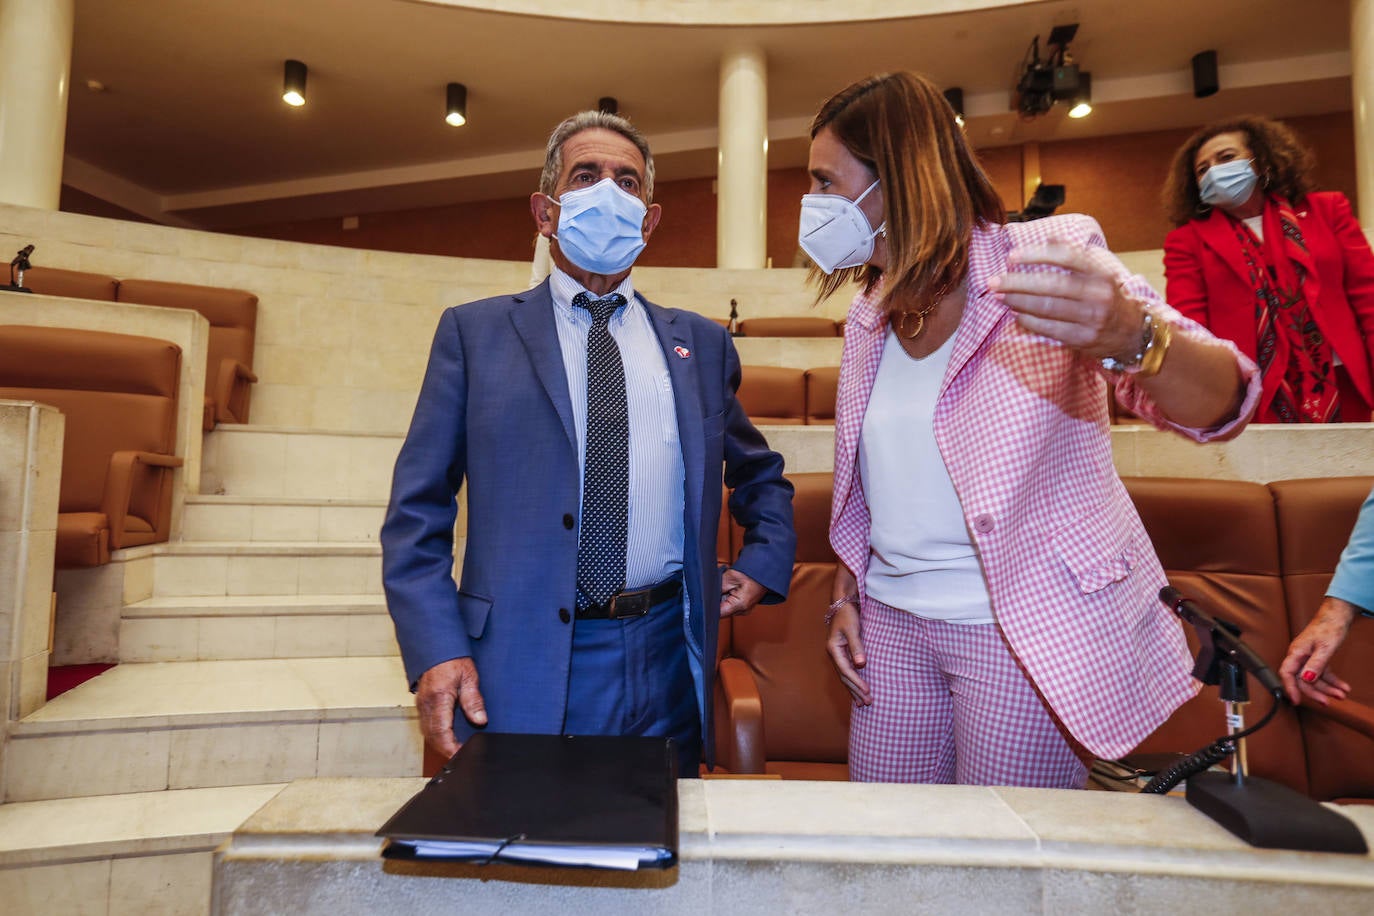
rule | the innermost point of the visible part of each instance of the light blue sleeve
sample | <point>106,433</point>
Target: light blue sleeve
<point>1354,578</point>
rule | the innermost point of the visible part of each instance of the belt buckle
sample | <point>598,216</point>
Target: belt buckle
<point>639,601</point>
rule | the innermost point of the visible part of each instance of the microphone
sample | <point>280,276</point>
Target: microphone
<point>1226,642</point>
<point>23,255</point>
<point>1261,812</point>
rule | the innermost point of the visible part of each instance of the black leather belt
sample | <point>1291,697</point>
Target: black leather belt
<point>633,603</point>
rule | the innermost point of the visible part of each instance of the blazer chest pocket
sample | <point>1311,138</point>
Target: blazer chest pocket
<point>1097,548</point>
<point>713,426</point>
<point>474,610</point>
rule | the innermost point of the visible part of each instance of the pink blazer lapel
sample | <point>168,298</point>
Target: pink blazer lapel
<point>863,349</point>
<point>983,311</point>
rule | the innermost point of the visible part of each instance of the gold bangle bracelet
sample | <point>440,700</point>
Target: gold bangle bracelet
<point>1153,357</point>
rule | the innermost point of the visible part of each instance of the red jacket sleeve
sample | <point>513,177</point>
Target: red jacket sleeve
<point>1185,288</point>
<point>1358,259</point>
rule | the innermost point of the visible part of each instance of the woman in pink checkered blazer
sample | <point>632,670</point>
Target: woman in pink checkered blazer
<point>996,612</point>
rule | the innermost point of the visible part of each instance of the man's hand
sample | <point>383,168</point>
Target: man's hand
<point>448,685</point>
<point>1303,671</point>
<point>738,593</point>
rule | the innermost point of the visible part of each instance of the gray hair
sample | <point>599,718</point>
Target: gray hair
<point>591,120</point>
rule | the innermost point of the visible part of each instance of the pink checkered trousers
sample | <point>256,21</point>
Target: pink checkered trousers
<point>1021,421</point>
<point>950,705</point>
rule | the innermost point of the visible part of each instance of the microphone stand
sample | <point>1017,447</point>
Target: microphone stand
<point>734,319</point>
<point>19,265</point>
<point>1261,812</point>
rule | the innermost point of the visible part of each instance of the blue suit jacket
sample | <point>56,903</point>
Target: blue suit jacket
<point>494,414</point>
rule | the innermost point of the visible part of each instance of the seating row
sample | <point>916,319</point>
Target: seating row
<point>789,397</point>
<point>1259,555</point>
<point>781,396</point>
<point>232,314</point>
<point>790,326</point>
<point>118,397</point>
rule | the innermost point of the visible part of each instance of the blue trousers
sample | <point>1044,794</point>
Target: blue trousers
<point>631,677</point>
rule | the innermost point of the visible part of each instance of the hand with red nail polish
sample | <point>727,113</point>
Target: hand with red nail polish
<point>1310,652</point>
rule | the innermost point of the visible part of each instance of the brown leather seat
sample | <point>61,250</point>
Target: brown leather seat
<point>1258,556</point>
<point>1219,545</point>
<point>785,710</point>
<point>73,284</point>
<point>118,395</point>
<point>822,386</point>
<point>773,394</point>
<point>233,317</point>
<point>1315,518</point>
<point>796,326</point>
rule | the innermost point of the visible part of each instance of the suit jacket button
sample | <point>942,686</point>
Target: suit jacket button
<point>568,521</point>
<point>563,615</point>
<point>983,523</point>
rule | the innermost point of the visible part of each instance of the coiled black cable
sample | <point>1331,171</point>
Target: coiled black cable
<point>1210,755</point>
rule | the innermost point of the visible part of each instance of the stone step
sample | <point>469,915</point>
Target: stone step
<point>265,518</point>
<point>193,628</point>
<point>305,467</point>
<point>144,852</point>
<point>789,352</point>
<point>277,461</point>
<point>190,725</point>
<point>208,568</point>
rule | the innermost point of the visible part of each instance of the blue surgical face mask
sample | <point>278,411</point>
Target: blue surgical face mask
<point>601,228</point>
<point>1228,184</point>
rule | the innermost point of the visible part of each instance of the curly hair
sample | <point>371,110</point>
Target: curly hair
<point>1282,162</point>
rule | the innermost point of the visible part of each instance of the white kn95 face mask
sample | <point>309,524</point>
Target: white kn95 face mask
<point>834,232</point>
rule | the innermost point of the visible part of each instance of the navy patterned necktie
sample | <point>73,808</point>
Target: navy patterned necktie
<point>606,476</point>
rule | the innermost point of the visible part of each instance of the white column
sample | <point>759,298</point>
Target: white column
<point>742,169</point>
<point>35,68</point>
<point>1362,88</point>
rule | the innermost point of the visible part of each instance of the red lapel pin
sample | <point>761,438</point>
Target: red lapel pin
<point>682,351</point>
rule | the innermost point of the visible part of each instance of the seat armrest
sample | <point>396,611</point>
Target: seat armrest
<point>232,379</point>
<point>744,717</point>
<point>119,485</point>
<point>1350,713</point>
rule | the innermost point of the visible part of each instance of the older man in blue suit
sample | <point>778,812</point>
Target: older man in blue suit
<point>591,428</point>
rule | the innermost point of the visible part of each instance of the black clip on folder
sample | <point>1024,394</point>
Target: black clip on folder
<point>581,801</point>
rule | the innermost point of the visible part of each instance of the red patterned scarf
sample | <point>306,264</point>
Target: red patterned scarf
<point>1294,359</point>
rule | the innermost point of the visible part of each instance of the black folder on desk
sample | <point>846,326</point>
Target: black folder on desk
<point>581,801</point>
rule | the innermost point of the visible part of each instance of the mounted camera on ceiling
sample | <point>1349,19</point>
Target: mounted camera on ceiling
<point>1053,78</point>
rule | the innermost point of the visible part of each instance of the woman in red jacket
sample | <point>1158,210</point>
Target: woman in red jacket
<point>1261,259</point>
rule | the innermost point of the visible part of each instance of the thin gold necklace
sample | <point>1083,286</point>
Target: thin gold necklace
<point>918,317</point>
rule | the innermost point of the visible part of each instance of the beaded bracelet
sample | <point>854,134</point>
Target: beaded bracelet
<point>837,604</point>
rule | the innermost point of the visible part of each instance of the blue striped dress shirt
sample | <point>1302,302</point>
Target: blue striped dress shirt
<point>654,541</point>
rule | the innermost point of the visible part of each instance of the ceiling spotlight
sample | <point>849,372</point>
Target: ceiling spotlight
<point>457,109</point>
<point>955,97</point>
<point>1083,101</point>
<point>1044,81</point>
<point>607,104</point>
<point>293,84</point>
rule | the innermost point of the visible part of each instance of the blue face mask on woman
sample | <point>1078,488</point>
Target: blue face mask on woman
<point>601,228</point>
<point>1228,184</point>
